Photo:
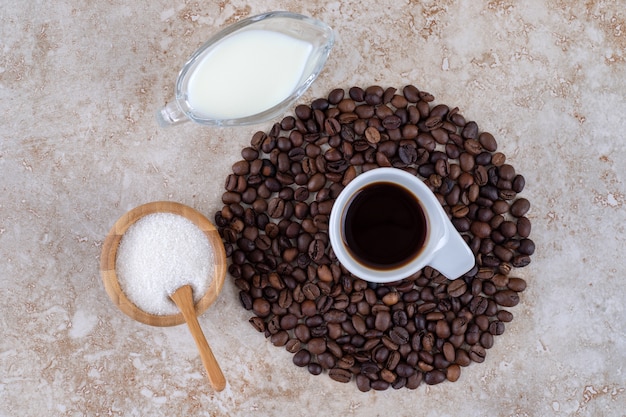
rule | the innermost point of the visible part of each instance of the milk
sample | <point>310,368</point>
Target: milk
<point>247,73</point>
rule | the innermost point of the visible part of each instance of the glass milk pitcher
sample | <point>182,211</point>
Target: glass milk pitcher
<point>250,71</point>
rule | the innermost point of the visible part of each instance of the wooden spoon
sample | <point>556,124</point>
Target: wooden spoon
<point>183,297</point>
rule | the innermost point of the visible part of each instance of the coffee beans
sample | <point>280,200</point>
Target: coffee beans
<point>274,224</point>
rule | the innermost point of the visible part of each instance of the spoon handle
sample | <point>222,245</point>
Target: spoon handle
<point>183,297</point>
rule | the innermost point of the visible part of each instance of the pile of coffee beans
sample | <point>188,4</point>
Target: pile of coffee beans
<point>274,224</point>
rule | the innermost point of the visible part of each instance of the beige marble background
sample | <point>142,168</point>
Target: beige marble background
<point>80,81</point>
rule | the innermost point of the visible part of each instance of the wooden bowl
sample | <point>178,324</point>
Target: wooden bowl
<point>109,255</point>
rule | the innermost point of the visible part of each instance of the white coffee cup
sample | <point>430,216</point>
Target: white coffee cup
<point>443,248</point>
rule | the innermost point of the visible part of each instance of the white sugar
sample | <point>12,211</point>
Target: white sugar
<point>158,254</point>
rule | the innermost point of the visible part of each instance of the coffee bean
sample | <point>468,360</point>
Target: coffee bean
<point>257,139</point>
<point>374,94</point>
<point>391,122</point>
<point>335,316</point>
<point>481,177</point>
<point>250,153</point>
<point>393,360</point>
<point>316,182</point>
<point>506,194</point>
<point>258,324</point>
<point>383,321</point>
<point>523,227</point>
<point>503,253</point>
<point>356,93</point>
<point>459,211</point>
<point>235,183</point>
<point>363,383</point>
<point>332,126</point>
<point>404,370</point>
<point>246,300</point>
<point>241,167</point>
<point>288,322</point>
<point>489,191</point>
<point>470,130</point>
<point>520,207</point>
<point>280,338</point>
<point>457,288</point>
<point>261,307</point>
<point>326,360</point>
<point>293,346</point>
<point>387,376</point>
<point>433,122</point>
<point>314,368</point>
<point>372,135</point>
<point>516,284</point>
<point>380,385</point>
<point>459,325</point>
<point>506,298</point>
<point>467,162</point>
<point>346,361</point>
<point>486,340</point>
<point>487,141</point>
<point>340,375</point>
<point>336,95</point>
<point>442,329</point>
<point>302,333</point>
<point>316,345</point>
<point>506,172</point>
<point>504,316</point>
<point>398,101</point>
<point>302,358</point>
<point>480,229</point>
<point>316,250</point>
<point>453,373</point>
<point>472,146</point>
<point>518,184</point>
<point>369,369</point>
<point>434,377</point>
<point>276,208</point>
<point>527,246</point>
<point>477,354</point>
<point>399,335</point>
<point>407,154</point>
<point>388,94</point>
<point>508,229</point>
<point>365,111</point>
<point>411,93</point>
<point>496,328</point>
<point>391,298</point>
<point>520,261</point>
<point>310,291</point>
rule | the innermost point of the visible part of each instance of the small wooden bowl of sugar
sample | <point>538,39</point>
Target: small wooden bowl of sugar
<point>163,264</point>
<point>153,250</point>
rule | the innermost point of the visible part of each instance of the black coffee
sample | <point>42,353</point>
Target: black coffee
<point>384,226</point>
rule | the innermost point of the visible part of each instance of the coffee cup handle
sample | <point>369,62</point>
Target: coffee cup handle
<point>454,258</point>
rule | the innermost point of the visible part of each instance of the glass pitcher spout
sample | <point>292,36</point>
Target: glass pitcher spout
<point>171,114</point>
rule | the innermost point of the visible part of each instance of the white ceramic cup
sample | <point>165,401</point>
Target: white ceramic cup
<point>444,249</point>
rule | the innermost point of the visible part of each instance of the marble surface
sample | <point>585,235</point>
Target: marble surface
<point>80,82</point>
